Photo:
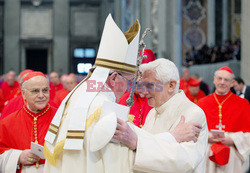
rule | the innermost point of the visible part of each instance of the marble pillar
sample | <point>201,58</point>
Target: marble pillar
<point>211,22</point>
<point>61,58</point>
<point>11,36</point>
<point>245,41</point>
<point>225,26</point>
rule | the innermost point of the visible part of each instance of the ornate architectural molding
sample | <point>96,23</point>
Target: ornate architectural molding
<point>194,12</point>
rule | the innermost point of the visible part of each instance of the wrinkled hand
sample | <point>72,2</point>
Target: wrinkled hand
<point>212,139</point>
<point>28,158</point>
<point>226,140</point>
<point>125,134</point>
<point>185,132</point>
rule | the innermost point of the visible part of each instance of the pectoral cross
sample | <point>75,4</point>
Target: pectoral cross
<point>220,126</point>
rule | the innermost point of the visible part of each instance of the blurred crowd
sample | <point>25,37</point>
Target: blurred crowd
<point>227,51</point>
<point>60,86</point>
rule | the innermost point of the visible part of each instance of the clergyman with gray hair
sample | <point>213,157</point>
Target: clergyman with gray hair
<point>159,146</point>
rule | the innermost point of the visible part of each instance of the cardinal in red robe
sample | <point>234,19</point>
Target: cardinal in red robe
<point>29,124</point>
<point>227,112</point>
<point>194,93</point>
<point>185,80</point>
<point>10,87</point>
<point>70,82</point>
<point>55,84</point>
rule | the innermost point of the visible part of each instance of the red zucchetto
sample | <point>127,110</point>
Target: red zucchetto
<point>33,74</point>
<point>226,68</point>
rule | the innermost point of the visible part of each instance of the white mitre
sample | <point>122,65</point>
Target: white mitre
<point>117,51</point>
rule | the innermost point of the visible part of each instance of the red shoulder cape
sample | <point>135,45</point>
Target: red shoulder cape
<point>235,112</point>
<point>17,132</point>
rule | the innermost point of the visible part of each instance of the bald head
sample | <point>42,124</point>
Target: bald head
<point>70,82</point>
<point>54,78</point>
<point>185,74</point>
<point>10,78</point>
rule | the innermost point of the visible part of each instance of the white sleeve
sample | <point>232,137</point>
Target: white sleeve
<point>167,136</point>
<point>242,143</point>
<point>9,160</point>
<point>155,154</point>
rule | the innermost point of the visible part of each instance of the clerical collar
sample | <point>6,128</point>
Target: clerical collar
<point>222,94</point>
<point>222,97</point>
<point>168,103</point>
<point>29,111</point>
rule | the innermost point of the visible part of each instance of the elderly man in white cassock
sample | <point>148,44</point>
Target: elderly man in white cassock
<point>157,151</point>
<point>79,136</point>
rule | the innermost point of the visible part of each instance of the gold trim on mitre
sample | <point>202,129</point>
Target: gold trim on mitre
<point>115,65</point>
<point>132,31</point>
<point>118,50</point>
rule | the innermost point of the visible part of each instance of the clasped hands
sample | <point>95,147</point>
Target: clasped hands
<point>226,140</point>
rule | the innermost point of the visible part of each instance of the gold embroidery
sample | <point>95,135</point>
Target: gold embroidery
<point>51,157</point>
<point>131,118</point>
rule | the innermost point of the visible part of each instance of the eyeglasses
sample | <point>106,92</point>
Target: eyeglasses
<point>126,77</point>
<point>36,91</point>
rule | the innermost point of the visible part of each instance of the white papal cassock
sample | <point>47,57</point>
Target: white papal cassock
<point>157,150</point>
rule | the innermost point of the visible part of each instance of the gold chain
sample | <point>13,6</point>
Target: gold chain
<point>220,105</point>
<point>35,125</point>
<point>35,121</point>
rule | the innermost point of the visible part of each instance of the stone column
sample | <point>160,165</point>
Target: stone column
<point>162,29</point>
<point>245,41</point>
<point>225,20</point>
<point>176,57</point>
<point>145,20</point>
<point>11,36</point>
<point>61,56</point>
<point>211,22</point>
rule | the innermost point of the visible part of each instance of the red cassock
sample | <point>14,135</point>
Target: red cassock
<point>17,131</point>
<point>235,117</point>
<point>139,109</point>
<point>235,112</point>
<point>12,106</point>
<point>54,89</point>
<point>1,101</point>
<point>10,92</point>
<point>195,98</point>
<point>16,104</point>
<point>60,95</point>
<point>184,84</point>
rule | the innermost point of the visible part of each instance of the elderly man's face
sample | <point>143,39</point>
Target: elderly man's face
<point>154,90</point>
<point>70,83</point>
<point>122,82</point>
<point>54,78</point>
<point>194,90</point>
<point>186,74</point>
<point>11,80</point>
<point>36,93</point>
<point>223,81</point>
